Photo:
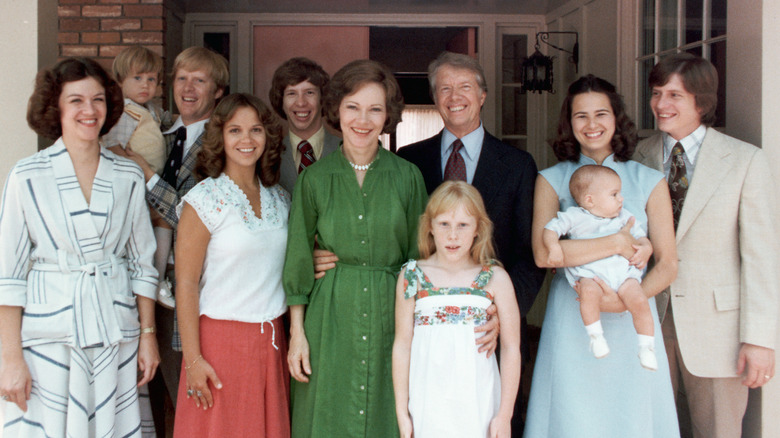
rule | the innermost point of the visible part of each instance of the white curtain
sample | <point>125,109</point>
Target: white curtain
<point>416,124</point>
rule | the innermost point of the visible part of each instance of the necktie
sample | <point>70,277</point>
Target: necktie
<point>171,170</point>
<point>678,182</point>
<point>307,155</point>
<point>456,167</point>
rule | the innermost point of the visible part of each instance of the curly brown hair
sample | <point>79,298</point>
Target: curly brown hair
<point>211,159</point>
<point>353,76</point>
<point>293,72</point>
<point>43,108</point>
<point>566,147</point>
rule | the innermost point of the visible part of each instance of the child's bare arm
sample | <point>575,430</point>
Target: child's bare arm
<point>644,249</point>
<point>553,245</point>
<point>504,297</point>
<point>402,346</point>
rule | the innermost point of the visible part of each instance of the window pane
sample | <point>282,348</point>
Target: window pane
<point>514,49</point>
<point>693,21</point>
<point>668,24</point>
<point>648,27</point>
<point>646,119</point>
<point>513,105</point>
<point>718,18</point>
<point>696,51</point>
<point>718,59</point>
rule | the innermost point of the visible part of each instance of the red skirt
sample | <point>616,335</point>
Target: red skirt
<point>255,395</point>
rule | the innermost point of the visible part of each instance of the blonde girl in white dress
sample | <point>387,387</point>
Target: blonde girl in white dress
<point>443,385</point>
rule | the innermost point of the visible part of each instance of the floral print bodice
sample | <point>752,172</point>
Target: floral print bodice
<point>447,305</point>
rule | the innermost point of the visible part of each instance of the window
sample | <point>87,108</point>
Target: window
<point>514,104</point>
<point>417,123</point>
<point>671,26</point>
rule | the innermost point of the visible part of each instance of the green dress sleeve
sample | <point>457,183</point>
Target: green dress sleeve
<point>298,274</point>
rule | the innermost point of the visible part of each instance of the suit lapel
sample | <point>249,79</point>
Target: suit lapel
<point>490,170</point>
<point>290,159</point>
<point>430,166</point>
<point>189,161</point>
<point>651,154</point>
<point>713,161</point>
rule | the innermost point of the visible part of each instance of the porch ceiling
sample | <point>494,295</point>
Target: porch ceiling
<point>368,6</point>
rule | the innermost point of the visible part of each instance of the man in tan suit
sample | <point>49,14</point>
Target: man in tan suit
<point>720,325</point>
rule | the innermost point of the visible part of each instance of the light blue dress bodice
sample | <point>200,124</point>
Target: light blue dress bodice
<point>573,394</point>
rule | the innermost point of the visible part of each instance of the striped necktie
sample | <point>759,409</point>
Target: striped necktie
<point>307,155</point>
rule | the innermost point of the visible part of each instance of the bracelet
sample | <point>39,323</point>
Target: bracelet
<point>200,356</point>
<point>150,329</point>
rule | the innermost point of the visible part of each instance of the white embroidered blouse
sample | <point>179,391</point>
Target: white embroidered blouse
<point>242,271</point>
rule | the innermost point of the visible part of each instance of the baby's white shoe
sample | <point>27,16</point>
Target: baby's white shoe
<point>647,358</point>
<point>165,296</point>
<point>598,346</point>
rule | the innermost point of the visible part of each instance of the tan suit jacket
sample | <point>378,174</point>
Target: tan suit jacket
<point>726,291</point>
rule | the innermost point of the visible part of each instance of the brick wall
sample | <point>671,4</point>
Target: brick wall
<point>99,29</point>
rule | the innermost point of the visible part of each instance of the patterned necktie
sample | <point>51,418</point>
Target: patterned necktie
<point>171,170</point>
<point>678,182</point>
<point>456,167</point>
<point>307,155</point>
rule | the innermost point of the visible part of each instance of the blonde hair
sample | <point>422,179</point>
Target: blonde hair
<point>447,197</point>
<point>201,58</point>
<point>136,59</point>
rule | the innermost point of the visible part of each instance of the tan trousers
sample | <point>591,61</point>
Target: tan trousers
<point>716,405</point>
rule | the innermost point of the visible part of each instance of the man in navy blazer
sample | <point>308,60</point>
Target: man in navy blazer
<point>503,174</point>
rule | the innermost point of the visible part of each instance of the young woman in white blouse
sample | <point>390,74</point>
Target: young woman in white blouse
<point>229,254</point>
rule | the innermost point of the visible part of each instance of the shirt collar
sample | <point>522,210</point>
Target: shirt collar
<point>472,142</point>
<point>691,144</point>
<point>194,130</point>
<point>317,141</point>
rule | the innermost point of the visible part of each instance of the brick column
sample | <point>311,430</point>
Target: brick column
<point>99,29</point>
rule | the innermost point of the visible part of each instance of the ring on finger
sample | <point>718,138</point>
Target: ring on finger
<point>189,393</point>
<point>4,397</point>
<point>767,376</point>
<point>199,394</point>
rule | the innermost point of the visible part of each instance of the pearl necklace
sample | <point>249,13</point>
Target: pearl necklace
<point>361,166</point>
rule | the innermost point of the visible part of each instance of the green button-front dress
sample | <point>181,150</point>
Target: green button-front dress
<point>349,319</point>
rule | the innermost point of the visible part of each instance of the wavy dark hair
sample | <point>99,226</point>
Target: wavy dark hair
<point>211,159</point>
<point>43,108</point>
<point>353,76</point>
<point>566,147</point>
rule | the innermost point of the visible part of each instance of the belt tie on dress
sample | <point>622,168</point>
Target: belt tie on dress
<point>94,319</point>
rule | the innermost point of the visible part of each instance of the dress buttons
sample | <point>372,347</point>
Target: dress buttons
<point>365,289</point>
<point>364,338</point>
<point>363,361</point>
<point>363,242</point>
<point>360,216</point>
<point>361,412</point>
<point>365,194</point>
<point>362,387</point>
<point>365,315</point>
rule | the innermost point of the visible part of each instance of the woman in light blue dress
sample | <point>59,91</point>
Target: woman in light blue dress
<point>573,394</point>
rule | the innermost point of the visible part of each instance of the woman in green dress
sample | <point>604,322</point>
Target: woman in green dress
<point>362,203</point>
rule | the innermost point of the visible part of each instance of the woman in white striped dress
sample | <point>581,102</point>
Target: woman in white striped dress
<point>77,284</point>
